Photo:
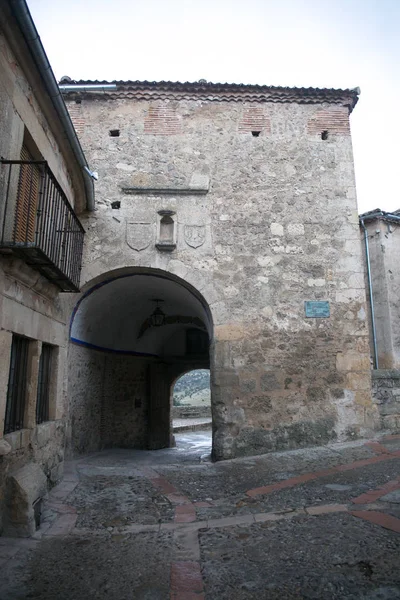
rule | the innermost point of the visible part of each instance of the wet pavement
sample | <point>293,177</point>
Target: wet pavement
<point>317,523</point>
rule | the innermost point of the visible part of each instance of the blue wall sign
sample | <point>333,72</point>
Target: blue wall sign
<point>317,309</point>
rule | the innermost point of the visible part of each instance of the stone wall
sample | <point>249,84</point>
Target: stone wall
<point>126,402</point>
<point>384,248</point>
<point>23,106</point>
<point>30,306</point>
<point>386,394</point>
<point>263,224</point>
<point>190,412</point>
<point>85,390</point>
<point>108,400</point>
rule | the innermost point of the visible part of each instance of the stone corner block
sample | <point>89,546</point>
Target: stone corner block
<point>24,488</point>
<point>13,439</point>
<point>352,361</point>
<point>385,374</point>
<point>44,432</point>
<point>56,473</point>
<point>5,447</point>
<point>230,332</point>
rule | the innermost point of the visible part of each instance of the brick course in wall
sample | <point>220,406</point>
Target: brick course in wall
<point>162,120</point>
<point>332,120</point>
<point>254,118</point>
<point>75,112</point>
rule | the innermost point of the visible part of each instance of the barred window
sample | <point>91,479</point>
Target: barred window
<point>42,400</point>
<point>16,392</point>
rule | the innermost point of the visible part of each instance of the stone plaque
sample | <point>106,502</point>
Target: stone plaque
<point>195,235</point>
<point>317,309</point>
<point>138,235</point>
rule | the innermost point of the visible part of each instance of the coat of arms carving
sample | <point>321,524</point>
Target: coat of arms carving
<point>195,235</point>
<point>139,235</point>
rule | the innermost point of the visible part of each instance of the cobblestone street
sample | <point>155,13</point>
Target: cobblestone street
<point>317,523</point>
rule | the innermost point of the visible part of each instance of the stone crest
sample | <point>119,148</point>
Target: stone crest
<point>138,235</point>
<point>195,235</point>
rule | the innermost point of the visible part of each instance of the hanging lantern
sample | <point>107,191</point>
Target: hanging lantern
<point>157,318</point>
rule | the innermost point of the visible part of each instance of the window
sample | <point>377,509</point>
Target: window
<point>16,393</point>
<point>42,399</point>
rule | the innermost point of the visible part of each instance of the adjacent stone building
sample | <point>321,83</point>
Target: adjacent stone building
<point>381,240</point>
<point>42,186</point>
<point>225,236</point>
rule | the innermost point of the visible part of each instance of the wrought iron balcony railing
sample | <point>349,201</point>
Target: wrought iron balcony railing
<point>38,223</point>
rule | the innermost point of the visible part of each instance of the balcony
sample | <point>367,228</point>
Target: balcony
<point>38,223</point>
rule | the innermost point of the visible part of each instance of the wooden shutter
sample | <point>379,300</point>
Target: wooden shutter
<point>27,200</point>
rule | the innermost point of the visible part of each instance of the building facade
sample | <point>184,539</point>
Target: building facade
<point>232,210</point>
<point>380,232</point>
<point>42,187</point>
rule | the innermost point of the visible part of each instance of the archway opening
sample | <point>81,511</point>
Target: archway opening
<point>191,401</point>
<point>132,334</point>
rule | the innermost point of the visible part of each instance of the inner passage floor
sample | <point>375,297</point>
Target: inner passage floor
<point>319,523</point>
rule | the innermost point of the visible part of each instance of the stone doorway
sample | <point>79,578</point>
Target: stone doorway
<point>132,335</point>
<point>191,401</point>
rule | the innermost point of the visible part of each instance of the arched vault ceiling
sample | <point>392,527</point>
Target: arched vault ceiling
<point>110,315</point>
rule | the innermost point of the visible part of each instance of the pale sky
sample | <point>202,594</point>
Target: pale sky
<point>317,43</point>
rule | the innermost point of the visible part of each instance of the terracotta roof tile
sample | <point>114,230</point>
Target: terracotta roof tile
<point>220,92</point>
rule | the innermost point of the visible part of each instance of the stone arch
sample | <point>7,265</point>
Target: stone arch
<point>122,362</point>
<point>190,410</point>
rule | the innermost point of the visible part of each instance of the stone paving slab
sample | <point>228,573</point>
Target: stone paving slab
<point>392,442</point>
<point>116,567</point>
<point>390,509</point>
<point>321,490</point>
<point>112,501</point>
<point>326,557</point>
<point>316,523</point>
<point>214,481</point>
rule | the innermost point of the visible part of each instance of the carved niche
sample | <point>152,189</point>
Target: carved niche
<point>166,233</point>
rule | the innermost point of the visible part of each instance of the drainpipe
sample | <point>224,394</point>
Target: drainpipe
<point>371,298</point>
<point>23,17</point>
<point>95,87</point>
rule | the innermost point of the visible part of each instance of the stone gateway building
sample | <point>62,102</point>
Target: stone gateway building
<point>225,235</point>
<point>221,233</point>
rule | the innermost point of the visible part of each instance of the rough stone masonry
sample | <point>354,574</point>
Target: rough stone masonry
<point>259,185</point>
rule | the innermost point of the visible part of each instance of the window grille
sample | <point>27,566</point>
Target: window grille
<point>16,393</point>
<point>40,226</point>
<point>42,399</point>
